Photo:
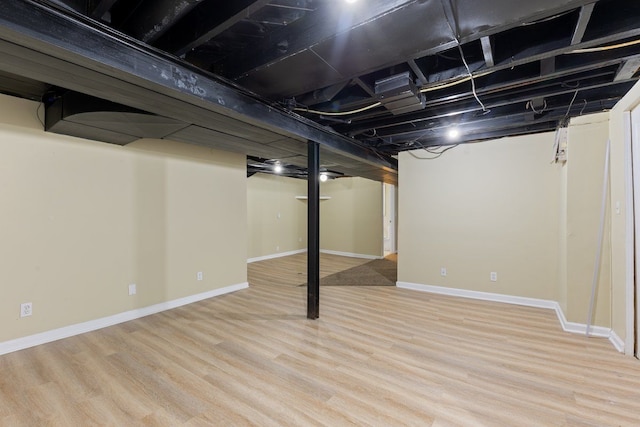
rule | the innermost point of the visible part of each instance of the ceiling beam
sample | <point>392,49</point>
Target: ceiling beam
<point>102,7</point>
<point>386,127</point>
<point>628,69</point>
<point>325,22</point>
<point>47,45</point>
<point>154,18</point>
<point>204,22</point>
<point>422,79</point>
<point>487,50</point>
<point>583,21</point>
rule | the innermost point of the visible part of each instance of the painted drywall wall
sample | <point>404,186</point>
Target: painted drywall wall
<point>482,208</point>
<point>351,221</point>
<point>621,237</point>
<point>81,220</point>
<point>277,221</point>
<point>502,206</point>
<point>587,139</point>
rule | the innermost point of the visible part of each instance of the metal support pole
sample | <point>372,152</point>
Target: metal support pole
<point>313,231</point>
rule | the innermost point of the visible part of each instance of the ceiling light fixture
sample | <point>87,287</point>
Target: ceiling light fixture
<point>277,168</point>
<point>350,1</point>
<point>323,177</point>
<point>453,133</point>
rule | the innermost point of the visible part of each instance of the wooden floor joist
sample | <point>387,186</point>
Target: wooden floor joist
<point>378,356</point>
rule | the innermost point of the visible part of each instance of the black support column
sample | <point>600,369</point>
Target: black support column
<point>313,231</point>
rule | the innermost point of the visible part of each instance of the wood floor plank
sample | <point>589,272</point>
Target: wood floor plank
<point>377,356</point>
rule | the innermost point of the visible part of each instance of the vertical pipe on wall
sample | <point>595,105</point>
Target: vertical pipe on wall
<point>603,212</point>
<point>313,231</point>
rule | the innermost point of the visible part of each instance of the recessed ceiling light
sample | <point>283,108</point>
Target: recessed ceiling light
<point>453,133</point>
<point>277,168</point>
<point>350,1</point>
<point>323,177</point>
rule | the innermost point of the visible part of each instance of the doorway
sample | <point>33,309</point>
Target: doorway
<point>390,206</point>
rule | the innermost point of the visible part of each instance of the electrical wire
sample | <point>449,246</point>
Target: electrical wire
<point>38,114</point>
<point>584,106</point>
<point>437,154</point>
<point>339,113</point>
<point>453,83</point>
<point>570,105</point>
<point>604,48</point>
<point>464,60</point>
<point>544,107</point>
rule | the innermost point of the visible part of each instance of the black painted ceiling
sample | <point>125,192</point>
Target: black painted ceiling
<point>387,75</point>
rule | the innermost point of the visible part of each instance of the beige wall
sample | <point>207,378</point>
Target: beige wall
<point>619,187</point>
<point>482,208</point>
<point>80,220</point>
<point>585,173</point>
<point>351,221</point>
<point>503,206</point>
<point>277,221</point>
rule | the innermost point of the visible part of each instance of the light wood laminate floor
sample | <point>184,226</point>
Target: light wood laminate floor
<point>377,356</point>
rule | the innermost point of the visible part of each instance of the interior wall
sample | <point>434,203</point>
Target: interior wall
<point>621,237</point>
<point>351,221</point>
<point>482,208</point>
<point>588,137</point>
<point>81,220</point>
<point>277,221</point>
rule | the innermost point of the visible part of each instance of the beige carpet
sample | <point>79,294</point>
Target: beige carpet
<point>379,272</point>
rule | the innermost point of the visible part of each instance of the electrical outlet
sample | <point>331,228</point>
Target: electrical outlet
<point>443,271</point>
<point>199,275</point>
<point>493,276</point>
<point>26,309</point>
<point>132,289</point>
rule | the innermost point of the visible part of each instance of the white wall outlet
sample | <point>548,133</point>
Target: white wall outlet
<point>443,271</point>
<point>26,309</point>
<point>132,289</point>
<point>493,276</point>
<point>199,275</point>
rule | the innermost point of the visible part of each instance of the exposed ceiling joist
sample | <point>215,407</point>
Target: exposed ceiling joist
<point>628,69</point>
<point>487,50</point>
<point>205,22</point>
<point>583,21</point>
<point>93,62</point>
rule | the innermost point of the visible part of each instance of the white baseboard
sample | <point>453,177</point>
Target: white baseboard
<point>576,328</point>
<point>617,342</point>
<point>349,254</point>
<point>278,255</point>
<point>92,325</point>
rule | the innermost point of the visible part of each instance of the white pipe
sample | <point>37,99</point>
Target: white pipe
<point>603,212</point>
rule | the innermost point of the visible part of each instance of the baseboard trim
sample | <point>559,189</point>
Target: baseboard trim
<point>572,327</point>
<point>273,256</point>
<point>92,325</point>
<point>617,342</point>
<point>349,254</point>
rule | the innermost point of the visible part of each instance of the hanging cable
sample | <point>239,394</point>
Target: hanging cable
<point>566,116</point>
<point>437,154</point>
<point>530,106</point>
<point>339,113</point>
<point>464,60</point>
<point>604,48</point>
<point>473,82</point>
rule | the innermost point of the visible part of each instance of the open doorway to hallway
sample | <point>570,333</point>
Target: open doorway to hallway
<point>390,215</point>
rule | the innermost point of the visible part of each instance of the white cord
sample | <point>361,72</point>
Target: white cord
<point>340,113</point>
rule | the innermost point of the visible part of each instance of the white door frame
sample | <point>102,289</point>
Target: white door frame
<point>389,218</point>
<point>632,147</point>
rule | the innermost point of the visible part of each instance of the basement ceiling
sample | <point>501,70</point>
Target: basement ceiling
<point>366,79</point>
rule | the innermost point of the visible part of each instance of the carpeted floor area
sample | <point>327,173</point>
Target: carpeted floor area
<point>379,272</point>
